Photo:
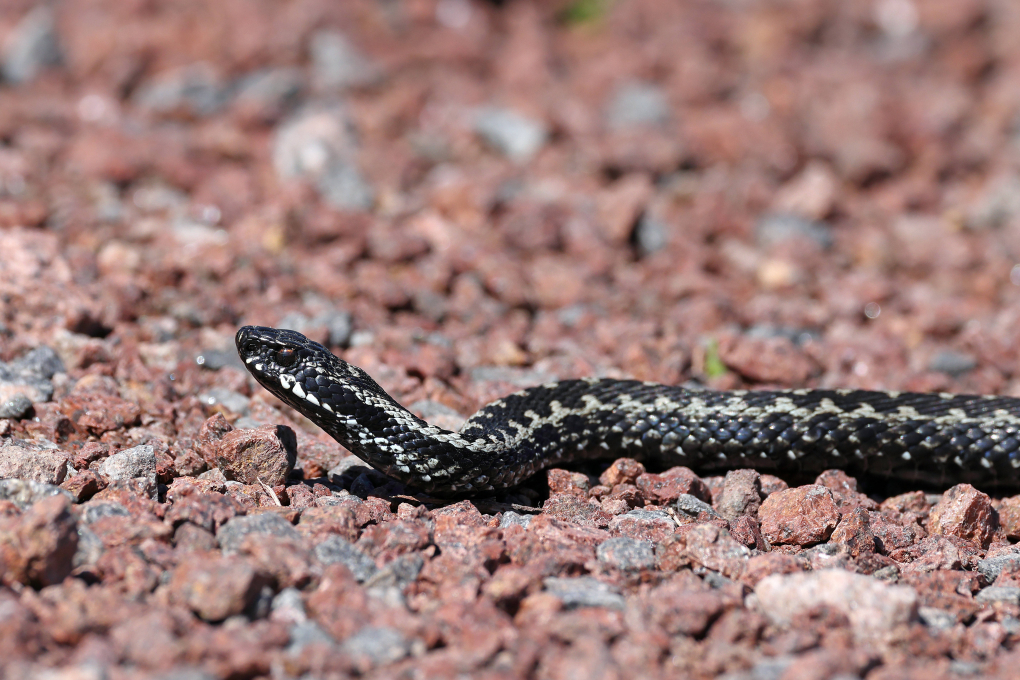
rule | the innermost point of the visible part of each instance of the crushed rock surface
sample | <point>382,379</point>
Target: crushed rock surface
<point>465,199</point>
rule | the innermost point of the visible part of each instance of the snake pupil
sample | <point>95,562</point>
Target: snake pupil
<point>286,357</point>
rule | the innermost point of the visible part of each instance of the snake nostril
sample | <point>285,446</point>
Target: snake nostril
<point>250,348</point>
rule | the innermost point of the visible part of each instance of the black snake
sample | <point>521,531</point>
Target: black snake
<point>935,438</point>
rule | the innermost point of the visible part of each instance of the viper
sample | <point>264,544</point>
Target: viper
<point>935,438</point>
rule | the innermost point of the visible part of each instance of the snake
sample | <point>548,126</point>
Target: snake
<point>934,438</point>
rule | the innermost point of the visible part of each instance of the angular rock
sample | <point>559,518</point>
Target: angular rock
<point>375,646</point>
<point>626,554</point>
<point>233,532</point>
<point>216,588</point>
<point>873,607</point>
<point>32,461</point>
<point>804,515</point>
<point>741,494</point>
<point>24,493</point>
<point>38,547</point>
<point>964,512</point>
<point>565,481</point>
<point>508,132</point>
<point>645,525</point>
<point>667,487</point>
<point>335,549</point>
<point>622,471</point>
<point>584,591</point>
<point>713,548</point>
<point>264,454</point>
<point>138,461</point>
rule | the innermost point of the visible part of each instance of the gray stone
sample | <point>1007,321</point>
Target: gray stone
<point>773,229</point>
<point>235,402</point>
<point>399,573</point>
<point>993,566</point>
<point>90,548</point>
<point>41,362</point>
<point>636,104</point>
<point>32,46</point>
<point>335,550</point>
<point>24,493</point>
<point>766,669</point>
<point>182,674</point>
<point>338,64</point>
<point>511,518</point>
<point>626,554</point>
<point>1006,594</point>
<point>306,633</point>
<point>30,375</point>
<point>952,363</point>
<point>138,461</point>
<point>515,136</point>
<point>15,407</point>
<point>270,89</point>
<point>584,591</point>
<point>319,145</point>
<point>195,89</point>
<point>93,511</point>
<point>376,646</point>
<point>339,324</point>
<point>215,359</point>
<point>692,506</point>
<point>231,534</point>
<point>998,205</point>
<point>288,607</point>
<point>343,186</point>
<point>936,618</point>
<point>650,235</point>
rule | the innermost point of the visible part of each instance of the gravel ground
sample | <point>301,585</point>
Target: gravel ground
<point>466,198</point>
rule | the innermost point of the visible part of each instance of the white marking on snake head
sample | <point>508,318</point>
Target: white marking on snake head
<point>287,380</point>
<point>311,399</point>
<point>298,392</point>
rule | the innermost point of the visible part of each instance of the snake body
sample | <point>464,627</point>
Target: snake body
<point>934,438</point>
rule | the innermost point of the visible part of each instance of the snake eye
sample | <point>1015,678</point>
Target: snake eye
<point>250,348</point>
<point>286,357</point>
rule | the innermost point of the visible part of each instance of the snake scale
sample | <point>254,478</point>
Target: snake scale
<point>933,438</point>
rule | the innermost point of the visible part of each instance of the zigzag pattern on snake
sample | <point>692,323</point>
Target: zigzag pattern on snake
<point>935,438</point>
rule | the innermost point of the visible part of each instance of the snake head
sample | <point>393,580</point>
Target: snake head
<point>282,359</point>
<point>301,372</point>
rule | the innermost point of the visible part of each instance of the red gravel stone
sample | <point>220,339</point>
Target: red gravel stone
<point>622,471</point>
<point>28,460</point>
<point>804,515</point>
<point>648,525</point>
<point>713,548</point>
<point>964,512</point>
<point>667,487</point>
<point>95,413</point>
<point>264,454</point>
<point>1009,517</point>
<point>216,587</point>
<point>740,494</point>
<point>564,481</point>
<point>84,485</point>
<point>854,531</point>
<point>571,508</point>
<point>36,548</point>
